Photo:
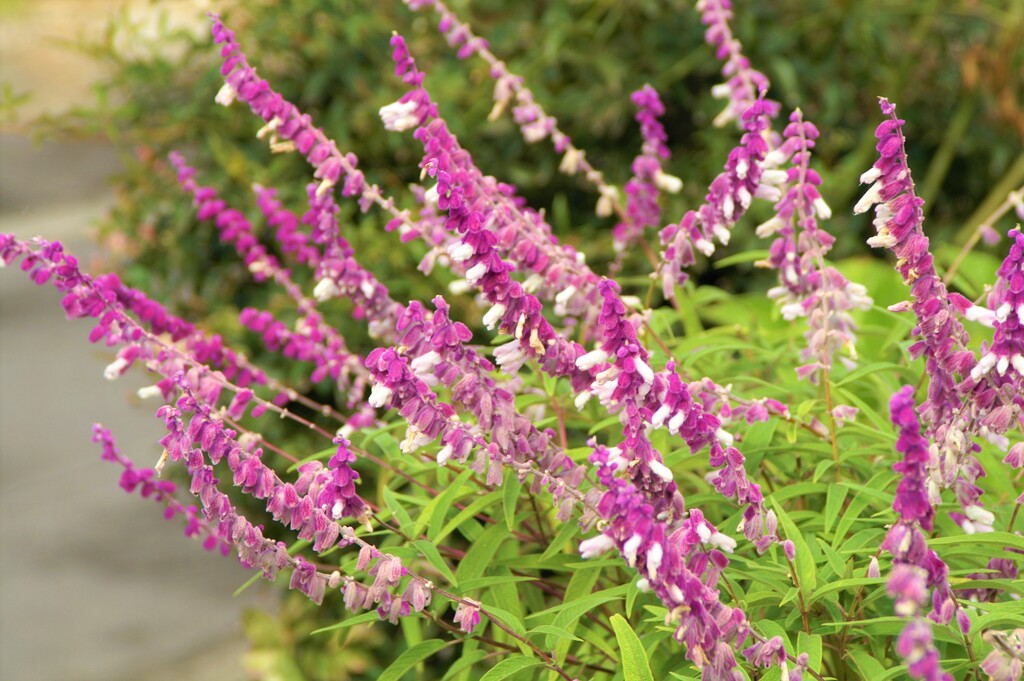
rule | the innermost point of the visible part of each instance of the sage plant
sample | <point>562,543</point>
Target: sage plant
<point>547,455</point>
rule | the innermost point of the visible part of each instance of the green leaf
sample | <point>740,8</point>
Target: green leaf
<point>478,505</point>
<point>553,631</point>
<point>564,534</point>
<point>805,568</point>
<point>841,584</point>
<point>481,553</point>
<point>468,659</point>
<point>410,658</point>
<point>569,613</point>
<point>510,666</point>
<point>397,509</point>
<point>867,370</point>
<point>635,665</point>
<point>509,619</point>
<point>433,556</point>
<point>742,257</point>
<point>866,664</point>
<point>469,585</point>
<point>361,618</point>
<point>434,513</point>
<point>510,498</point>
<point>833,504</point>
<point>810,644</point>
<point>1002,540</point>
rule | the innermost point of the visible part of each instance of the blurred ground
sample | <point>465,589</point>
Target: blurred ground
<point>94,584</point>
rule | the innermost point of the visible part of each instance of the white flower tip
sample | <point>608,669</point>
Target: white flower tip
<point>822,209</point>
<point>595,546</point>
<point>668,183</point>
<point>979,515</point>
<point>149,392</point>
<point>399,116</point>
<point>379,395</point>
<point>872,196</point>
<point>723,542</point>
<point>661,470</point>
<point>659,416</point>
<point>704,246</point>
<point>226,95</point>
<point>115,369</point>
<point>474,273</point>
<point>591,359</point>
<point>606,202</point>
<point>870,175</point>
<point>459,286</point>
<point>444,454</point>
<point>325,290</point>
<point>654,556</point>
<point>644,370</point>
<point>630,548</point>
<point>493,316</point>
<point>721,91</point>
<point>460,251</point>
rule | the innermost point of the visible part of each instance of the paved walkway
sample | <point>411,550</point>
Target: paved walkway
<point>94,584</point>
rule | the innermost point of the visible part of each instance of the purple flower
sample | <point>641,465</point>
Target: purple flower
<point>467,615</point>
<point>743,83</point>
<point>808,288</point>
<point>898,220</point>
<point>728,198</point>
<point>642,190</point>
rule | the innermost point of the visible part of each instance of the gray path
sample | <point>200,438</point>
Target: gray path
<point>94,584</point>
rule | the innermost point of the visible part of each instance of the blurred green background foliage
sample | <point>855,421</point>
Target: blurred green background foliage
<point>954,68</point>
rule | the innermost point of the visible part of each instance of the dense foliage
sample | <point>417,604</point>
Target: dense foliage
<point>663,472</point>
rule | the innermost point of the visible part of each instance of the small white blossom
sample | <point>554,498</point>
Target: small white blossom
<point>659,416</point>
<point>591,359</point>
<point>460,251</point>
<point>582,399</point>
<point>595,546</point>
<point>629,549</point>
<point>115,368</point>
<point>562,299</point>
<point>606,202</point>
<point>667,183</point>
<point>983,366</point>
<point>661,470</point>
<point>644,370</point>
<point>654,556</point>
<point>723,542</point>
<point>870,175</point>
<point>979,515</point>
<point>149,392</point>
<point>474,273</point>
<point>870,198</point>
<point>493,315</point>
<point>822,209</point>
<point>399,116</point>
<point>570,164</point>
<point>325,289</point>
<point>379,395</point>
<point>459,286</point>
<point>226,95</point>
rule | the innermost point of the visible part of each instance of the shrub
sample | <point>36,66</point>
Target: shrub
<point>550,513</point>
